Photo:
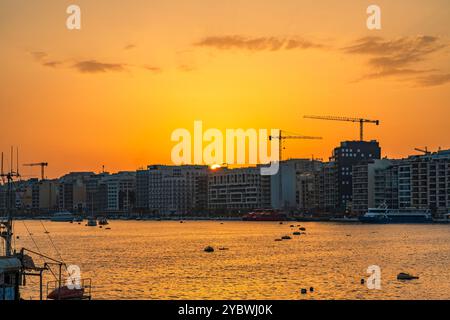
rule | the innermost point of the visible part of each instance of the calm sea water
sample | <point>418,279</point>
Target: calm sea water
<point>165,260</point>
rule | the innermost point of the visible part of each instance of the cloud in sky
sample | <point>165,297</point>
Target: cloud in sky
<point>129,46</point>
<point>433,80</point>
<point>240,42</point>
<point>399,57</point>
<point>94,66</point>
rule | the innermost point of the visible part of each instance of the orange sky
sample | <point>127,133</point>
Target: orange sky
<point>113,92</point>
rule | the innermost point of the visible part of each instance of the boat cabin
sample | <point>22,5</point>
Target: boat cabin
<point>10,278</point>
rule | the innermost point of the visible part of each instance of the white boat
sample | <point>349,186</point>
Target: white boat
<point>407,215</point>
<point>63,216</point>
<point>92,222</point>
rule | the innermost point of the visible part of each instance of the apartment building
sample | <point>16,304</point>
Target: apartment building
<point>238,190</point>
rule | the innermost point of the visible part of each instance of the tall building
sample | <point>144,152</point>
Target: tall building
<point>420,182</point>
<point>171,190</point>
<point>238,190</point>
<point>72,191</point>
<point>369,184</point>
<point>347,155</point>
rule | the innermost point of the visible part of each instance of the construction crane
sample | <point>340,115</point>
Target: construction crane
<point>41,164</point>
<point>284,135</point>
<point>361,122</point>
<point>424,151</point>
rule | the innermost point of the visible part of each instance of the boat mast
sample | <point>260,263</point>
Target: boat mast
<point>8,224</point>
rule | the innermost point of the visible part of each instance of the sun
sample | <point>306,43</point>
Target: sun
<point>215,166</point>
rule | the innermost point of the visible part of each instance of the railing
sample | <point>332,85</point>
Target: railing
<point>58,287</point>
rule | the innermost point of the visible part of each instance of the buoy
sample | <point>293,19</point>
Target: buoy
<point>17,237</point>
<point>303,291</point>
<point>281,222</point>
<point>363,281</point>
<point>101,227</point>
<point>209,249</point>
<point>291,225</point>
<point>311,289</point>
<point>406,276</point>
<point>302,229</point>
<point>181,221</point>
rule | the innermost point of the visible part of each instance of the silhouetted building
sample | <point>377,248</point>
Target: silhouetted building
<point>348,154</point>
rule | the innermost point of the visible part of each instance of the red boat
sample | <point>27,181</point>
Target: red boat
<point>265,215</point>
<point>64,293</point>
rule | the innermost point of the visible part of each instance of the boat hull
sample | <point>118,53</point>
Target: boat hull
<point>395,219</point>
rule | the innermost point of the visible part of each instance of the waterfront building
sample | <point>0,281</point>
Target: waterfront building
<point>238,190</point>
<point>348,154</point>
<point>72,191</point>
<point>419,182</point>
<point>172,190</point>
<point>370,183</point>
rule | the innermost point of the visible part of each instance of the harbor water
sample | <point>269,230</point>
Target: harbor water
<point>166,260</point>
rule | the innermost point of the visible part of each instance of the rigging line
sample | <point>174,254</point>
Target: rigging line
<point>53,244</point>
<point>37,247</point>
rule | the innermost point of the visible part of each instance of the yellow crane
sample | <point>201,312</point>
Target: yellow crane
<point>41,164</point>
<point>361,122</point>
<point>284,135</point>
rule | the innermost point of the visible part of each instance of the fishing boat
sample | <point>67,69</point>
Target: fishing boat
<point>16,266</point>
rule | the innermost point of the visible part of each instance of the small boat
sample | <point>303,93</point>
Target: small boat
<point>265,215</point>
<point>286,237</point>
<point>65,293</point>
<point>63,216</point>
<point>102,221</point>
<point>92,222</point>
<point>406,276</point>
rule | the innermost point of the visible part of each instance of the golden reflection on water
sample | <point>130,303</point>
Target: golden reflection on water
<point>165,259</point>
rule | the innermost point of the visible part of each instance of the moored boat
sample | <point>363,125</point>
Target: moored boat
<point>265,215</point>
<point>385,215</point>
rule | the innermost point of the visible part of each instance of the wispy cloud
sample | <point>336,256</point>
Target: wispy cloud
<point>94,66</point>
<point>39,55</point>
<point>129,46</point>
<point>240,42</point>
<point>398,57</point>
<point>152,68</point>
<point>433,80</point>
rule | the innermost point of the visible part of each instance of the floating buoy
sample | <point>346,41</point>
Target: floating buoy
<point>363,281</point>
<point>209,249</point>
<point>302,228</point>
<point>281,222</point>
<point>303,291</point>
<point>17,237</point>
<point>181,221</point>
<point>101,227</point>
<point>406,276</point>
<point>311,289</point>
<point>292,226</point>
